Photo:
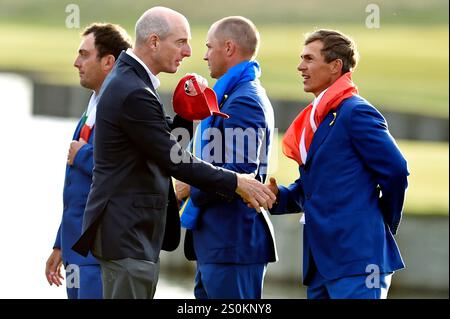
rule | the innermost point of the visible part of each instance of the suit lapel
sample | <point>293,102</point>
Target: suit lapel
<point>142,73</point>
<point>217,120</point>
<point>320,135</point>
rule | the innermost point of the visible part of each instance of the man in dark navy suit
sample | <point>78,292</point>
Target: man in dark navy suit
<point>132,211</point>
<point>99,49</point>
<point>353,178</point>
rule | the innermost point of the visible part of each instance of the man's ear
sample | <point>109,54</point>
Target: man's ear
<point>230,48</point>
<point>153,41</point>
<point>336,66</point>
<point>108,62</point>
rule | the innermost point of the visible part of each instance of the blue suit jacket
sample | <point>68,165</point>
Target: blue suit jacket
<point>229,231</point>
<point>77,184</point>
<point>351,189</point>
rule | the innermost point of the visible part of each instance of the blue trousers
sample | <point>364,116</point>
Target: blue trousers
<point>229,281</point>
<point>352,287</point>
<point>90,283</point>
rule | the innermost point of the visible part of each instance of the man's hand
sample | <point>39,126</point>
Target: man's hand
<point>254,193</point>
<point>273,186</point>
<point>73,150</point>
<point>201,81</point>
<point>53,268</point>
<point>182,190</point>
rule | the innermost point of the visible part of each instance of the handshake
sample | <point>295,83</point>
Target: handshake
<point>254,193</point>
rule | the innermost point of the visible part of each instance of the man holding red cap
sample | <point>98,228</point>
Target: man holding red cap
<point>231,242</point>
<point>131,211</point>
<point>194,100</point>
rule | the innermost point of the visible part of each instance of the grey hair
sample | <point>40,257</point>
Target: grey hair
<point>149,24</point>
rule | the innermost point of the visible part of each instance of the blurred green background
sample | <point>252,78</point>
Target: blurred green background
<point>403,65</point>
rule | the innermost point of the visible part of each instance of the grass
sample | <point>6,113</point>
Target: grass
<point>403,68</point>
<point>428,164</point>
<point>52,12</point>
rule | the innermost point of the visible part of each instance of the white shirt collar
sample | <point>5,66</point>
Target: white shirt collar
<point>319,97</point>
<point>155,81</point>
<point>92,103</point>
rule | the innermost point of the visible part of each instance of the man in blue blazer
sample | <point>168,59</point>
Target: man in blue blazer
<point>352,182</point>
<point>100,46</point>
<point>231,242</point>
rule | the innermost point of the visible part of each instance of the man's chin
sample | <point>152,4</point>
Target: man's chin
<point>306,89</point>
<point>214,75</point>
<point>86,85</point>
<point>172,70</point>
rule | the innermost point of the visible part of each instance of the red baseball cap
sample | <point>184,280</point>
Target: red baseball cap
<point>192,103</point>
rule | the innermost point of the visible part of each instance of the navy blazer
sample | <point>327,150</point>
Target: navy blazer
<point>229,231</point>
<point>352,189</point>
<point>77,184</point>
<point>132,198</point>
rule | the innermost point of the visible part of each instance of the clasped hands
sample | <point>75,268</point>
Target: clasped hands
<point>254,193</point>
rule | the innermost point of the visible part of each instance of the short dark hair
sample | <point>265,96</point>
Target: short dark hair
<point>336,46</point>
<point>109,38</point>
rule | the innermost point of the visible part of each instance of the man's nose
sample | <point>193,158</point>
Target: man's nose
<point>76,63</point>
<point>187,51</point>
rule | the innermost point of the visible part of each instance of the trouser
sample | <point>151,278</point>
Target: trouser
<point>129,278</point>
<point>88,284</point>
<point>350,287</point>
<point>229,281</point>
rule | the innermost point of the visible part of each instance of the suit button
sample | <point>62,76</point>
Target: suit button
<point>65,207</point>
<point>308,196</point>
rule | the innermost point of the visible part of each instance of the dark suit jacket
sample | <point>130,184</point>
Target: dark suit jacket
<point>132,196</point>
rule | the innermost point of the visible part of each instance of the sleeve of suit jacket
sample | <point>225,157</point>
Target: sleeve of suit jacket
<point>380,153</point>
<point>186,127</point>
<point>246,115</point>
<point>57,243</point>
<point>144,122</point>
<point>84,159</point>
<point>290,199</point>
